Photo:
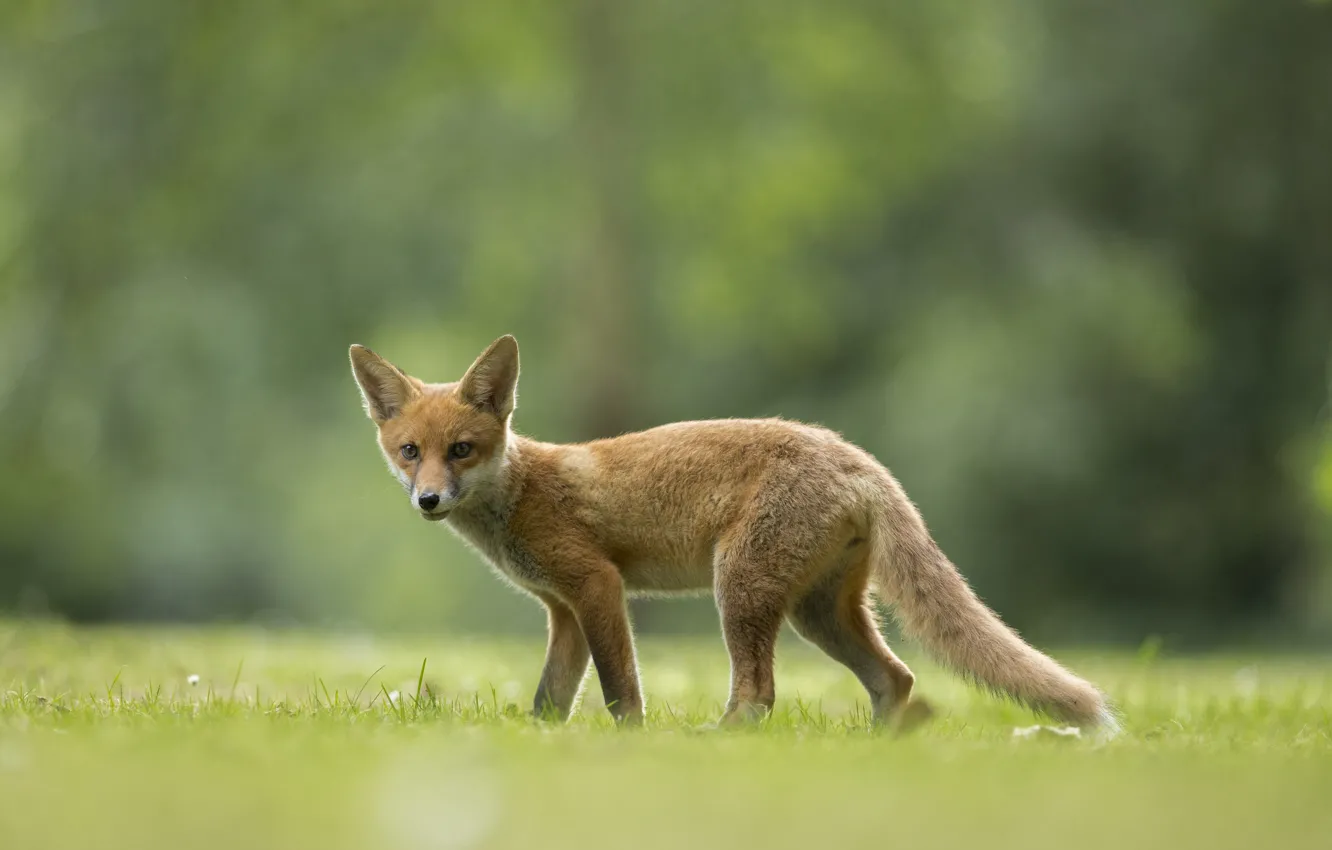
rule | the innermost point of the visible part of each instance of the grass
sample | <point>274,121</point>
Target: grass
<point>301,740</point>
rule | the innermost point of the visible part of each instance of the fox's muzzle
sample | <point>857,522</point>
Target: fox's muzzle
<point>434,504</point>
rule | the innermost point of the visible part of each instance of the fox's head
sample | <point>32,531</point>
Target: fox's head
<point>442,441</point>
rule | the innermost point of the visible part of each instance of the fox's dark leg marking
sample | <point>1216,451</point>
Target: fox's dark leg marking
<point>567,655</point>
<point>835,616</point>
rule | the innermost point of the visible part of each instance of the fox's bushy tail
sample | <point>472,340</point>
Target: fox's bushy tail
<point>936,606</point>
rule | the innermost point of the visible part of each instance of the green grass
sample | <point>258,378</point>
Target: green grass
<point>291,740</point>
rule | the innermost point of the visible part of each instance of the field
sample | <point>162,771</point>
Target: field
<point>290,739</point>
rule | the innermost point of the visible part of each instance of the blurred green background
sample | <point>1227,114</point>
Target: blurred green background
<point>1066,268</point>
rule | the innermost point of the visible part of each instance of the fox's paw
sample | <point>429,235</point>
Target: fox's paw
<point>910,717</point>
<point>743,714</point>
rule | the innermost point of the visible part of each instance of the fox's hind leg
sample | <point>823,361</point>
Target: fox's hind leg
<point>834,615</point>
<point>751,617</point>
<point>760,563</point>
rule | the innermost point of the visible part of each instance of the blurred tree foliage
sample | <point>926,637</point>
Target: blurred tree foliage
<point>1065,267</point>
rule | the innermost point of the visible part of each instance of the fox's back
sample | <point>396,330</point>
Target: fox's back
<point>658,500</point>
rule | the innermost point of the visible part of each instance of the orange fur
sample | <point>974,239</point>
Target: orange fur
<point>780,520</point>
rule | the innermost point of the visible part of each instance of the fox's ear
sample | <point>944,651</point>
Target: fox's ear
<point>492,382</point>
<point>384,388</point>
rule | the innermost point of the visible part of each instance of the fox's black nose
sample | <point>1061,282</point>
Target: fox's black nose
<point>428,501</point>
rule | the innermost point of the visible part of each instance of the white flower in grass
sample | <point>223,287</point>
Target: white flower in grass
<point>1246,681</point>
<point>393,697</point>
<point>1055,732</point>
<point>193,678</point>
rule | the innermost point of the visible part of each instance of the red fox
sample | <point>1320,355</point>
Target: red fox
<point>781,521</point>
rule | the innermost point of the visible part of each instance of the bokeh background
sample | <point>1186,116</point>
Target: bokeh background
<point>1065,267</point>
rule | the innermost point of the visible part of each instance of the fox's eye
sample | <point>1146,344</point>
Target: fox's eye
<point>460,450</point>
<point>410,451</point>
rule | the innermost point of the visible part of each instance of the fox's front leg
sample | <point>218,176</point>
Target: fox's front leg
<point>566,662</point>
<point>597,600</point>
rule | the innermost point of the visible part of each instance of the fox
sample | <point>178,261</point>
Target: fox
<point>780,521</point>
